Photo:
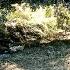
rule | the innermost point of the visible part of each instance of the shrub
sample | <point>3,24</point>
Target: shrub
<point>45,22</point>
<point>63,17</point>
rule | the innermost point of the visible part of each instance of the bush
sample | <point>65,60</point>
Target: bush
<point>27,27</point>
<point>63,17</point>
<point>44,22</point>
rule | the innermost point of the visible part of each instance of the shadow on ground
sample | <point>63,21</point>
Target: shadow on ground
<point>52,56</point>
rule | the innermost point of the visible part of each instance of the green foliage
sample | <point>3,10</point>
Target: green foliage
<point>2,27</point>
<point>49,2</point>
<point>26,26</point>
<point>42,23</point>
<point>16,15</point>
<point>49,11</point>
<point>63,17</point>
<point>3,13</point>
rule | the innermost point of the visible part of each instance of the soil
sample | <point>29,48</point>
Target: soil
<point>48,57</point>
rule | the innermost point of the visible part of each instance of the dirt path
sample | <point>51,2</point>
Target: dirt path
<point>37,58</point>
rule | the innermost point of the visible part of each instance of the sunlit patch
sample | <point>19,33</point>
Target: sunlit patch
<point>46,21</point>
<point>67,62</point>
<point>11,66</point>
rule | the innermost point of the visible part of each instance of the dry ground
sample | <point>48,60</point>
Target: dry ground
<point>48,57</point>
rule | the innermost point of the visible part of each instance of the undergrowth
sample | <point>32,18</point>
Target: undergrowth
<point>44,22</point>
<point>47,20</point>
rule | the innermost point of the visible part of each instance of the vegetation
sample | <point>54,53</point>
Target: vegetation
<point>27,22</point>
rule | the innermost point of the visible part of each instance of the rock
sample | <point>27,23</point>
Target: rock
<point>16,48</point>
